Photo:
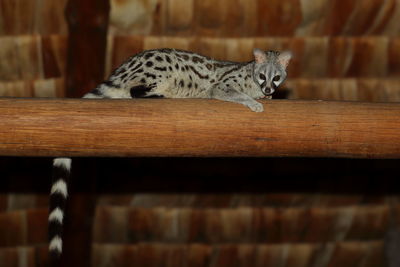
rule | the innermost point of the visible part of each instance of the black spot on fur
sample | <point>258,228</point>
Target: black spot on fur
<point>138,71</point>
<point>165,50</point>
<point>119,71</point>
<point>159,59</point>
<point>208,66</point>
<point>187,67</point>
<point>170,68</point>
<point>218,65</point>
<point>111,84</point>
<point>123,76</point>
<point>148,55</point>
<point>150,75</point>
<point>185,57</point>
<point>190,77</point>
<point>182,68</point>
<point>131,64</point>
<point>240,75</point>
<point>136,67</point>
<point>190,85</point>
<point>149,64</point>
<point>235,80</point>
<point>181,83</point>
<point>230,71</point>
<point>226,79</point>
<point>161,69</point>
<point>139,91</point>
<point>197,59</point>
<point>198,73</point>
<point>177,66</point>
<point>154,96</point>
<point>143,80</point>
<point>96,91</point>
<point>168,59</point>
<point>212,81</point>
<point>195,85</point>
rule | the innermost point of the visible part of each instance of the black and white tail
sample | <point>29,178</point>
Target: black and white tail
<point>58,197</point>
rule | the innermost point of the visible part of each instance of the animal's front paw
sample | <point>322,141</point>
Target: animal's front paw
<point>256,106</point>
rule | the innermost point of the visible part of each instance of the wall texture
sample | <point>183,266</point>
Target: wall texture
<point>343,50</point>
<point>330,39</point>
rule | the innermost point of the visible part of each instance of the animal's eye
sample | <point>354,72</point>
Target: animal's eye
<point>276,78</point>
<point>262,76</point>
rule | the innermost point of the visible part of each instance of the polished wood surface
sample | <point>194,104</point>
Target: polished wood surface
<point>195,127</point>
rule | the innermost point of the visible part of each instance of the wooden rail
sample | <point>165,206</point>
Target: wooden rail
<point>87,43</point>
<point>195,127</point>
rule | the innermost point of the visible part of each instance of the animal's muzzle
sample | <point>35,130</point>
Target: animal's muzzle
<point>268,91</point>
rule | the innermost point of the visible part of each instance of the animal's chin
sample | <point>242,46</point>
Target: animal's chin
<point>265,97</point>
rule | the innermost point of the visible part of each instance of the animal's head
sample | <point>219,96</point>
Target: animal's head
<point>270,69</point>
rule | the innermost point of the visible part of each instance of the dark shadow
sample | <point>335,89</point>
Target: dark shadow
<point>258,175</point>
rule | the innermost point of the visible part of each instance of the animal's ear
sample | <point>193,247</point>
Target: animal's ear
<point>259,55</point>
<point>284,58</point>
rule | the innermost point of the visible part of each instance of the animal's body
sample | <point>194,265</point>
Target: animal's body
<point>174,73</point>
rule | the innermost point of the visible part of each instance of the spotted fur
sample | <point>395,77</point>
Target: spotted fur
<point>174,73</point>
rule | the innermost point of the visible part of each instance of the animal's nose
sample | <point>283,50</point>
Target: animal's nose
<point>267,91</point>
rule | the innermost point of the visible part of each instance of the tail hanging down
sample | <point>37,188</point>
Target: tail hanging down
<point>58,197</point>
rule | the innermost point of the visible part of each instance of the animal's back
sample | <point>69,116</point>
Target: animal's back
<point>166,73</point>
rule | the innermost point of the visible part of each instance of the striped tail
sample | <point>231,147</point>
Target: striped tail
<point>58,197</point>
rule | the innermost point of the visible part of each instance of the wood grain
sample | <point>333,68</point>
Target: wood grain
<point>354,254</point>
<point>33,57</point>
<point>215,18</point>
<point>240,225</point>
<point>206,128</point>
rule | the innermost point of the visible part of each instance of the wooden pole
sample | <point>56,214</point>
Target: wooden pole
<point>198,127</point>
<point>87,40</point>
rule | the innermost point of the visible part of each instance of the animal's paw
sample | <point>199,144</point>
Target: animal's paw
<point>256,106</point>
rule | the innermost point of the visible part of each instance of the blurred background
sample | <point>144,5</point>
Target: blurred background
<point>351,48</point>
<point>211,212</point>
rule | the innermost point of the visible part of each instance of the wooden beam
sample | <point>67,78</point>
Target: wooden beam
<point>87,41</point>
<point>197,127</point>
